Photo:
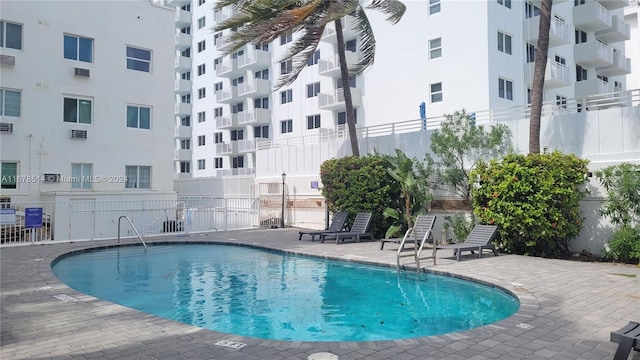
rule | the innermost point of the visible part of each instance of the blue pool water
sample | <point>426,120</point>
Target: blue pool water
<point>272,295</point>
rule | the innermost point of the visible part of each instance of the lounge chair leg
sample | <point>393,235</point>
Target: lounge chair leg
<point>624,348</point>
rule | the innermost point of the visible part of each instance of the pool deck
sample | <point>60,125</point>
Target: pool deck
<point>568,310</point>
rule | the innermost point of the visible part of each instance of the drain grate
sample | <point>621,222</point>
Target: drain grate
<point>65,298</point>
<point>525,326</point>
<point>322,356</point>
<point>231,344</point>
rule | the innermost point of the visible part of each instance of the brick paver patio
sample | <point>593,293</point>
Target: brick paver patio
<point>568,310</point>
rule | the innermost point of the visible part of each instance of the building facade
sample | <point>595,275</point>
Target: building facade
<point>87,107</point>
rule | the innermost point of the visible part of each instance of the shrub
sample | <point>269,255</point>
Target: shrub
<point>624,245</point>
<point>360,184</point>
<point>534,200</point>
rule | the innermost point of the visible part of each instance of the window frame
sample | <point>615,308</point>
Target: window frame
<point>435,49</point>
<point>505,42</point>
<point>77,107</point>
<point>80,182</point>
<point>3,102</point>
<point>131,59</point>
<point>313,121</point>
<point>202,164</point>
<point>5,33</point>
<point>313,90</point>
<point>135,182</point>
<point>286,126</point>
<point>505,89</point>
<point>139,116</point>
<point>436,95</point>
<point>78,45</point>
<point>12,184</point>
<point>202,140</point>
<point>434,7</point>
<point>286,96</point>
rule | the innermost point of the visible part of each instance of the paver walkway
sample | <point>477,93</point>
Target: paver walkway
<point>568,310</point>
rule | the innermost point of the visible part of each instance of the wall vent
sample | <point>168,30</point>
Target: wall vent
<point>7,60</point>
<point>79,134</point>
<point>51,178</point>
<point>6,128</point>
<point>80,72</point>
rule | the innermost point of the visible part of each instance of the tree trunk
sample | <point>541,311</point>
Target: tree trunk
<point>346,88</point>
<point>540,67</point>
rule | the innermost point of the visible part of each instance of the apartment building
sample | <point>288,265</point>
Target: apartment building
<point>86,100</point>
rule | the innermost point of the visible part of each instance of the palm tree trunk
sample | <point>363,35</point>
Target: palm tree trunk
<point>346,88</point>
<point>540,67</point>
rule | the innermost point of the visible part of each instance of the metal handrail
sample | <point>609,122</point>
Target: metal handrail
<point>134,229</point>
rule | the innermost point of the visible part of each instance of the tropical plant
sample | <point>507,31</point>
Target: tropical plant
<point>413,191</point>
<point>262,21</point>
<point>539,69</point>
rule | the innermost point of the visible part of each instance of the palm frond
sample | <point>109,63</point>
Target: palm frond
<point>367,40</point>
<point>300,52</point>
<point>394,9</point>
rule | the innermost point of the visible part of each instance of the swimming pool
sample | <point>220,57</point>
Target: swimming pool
<point>272,295</point>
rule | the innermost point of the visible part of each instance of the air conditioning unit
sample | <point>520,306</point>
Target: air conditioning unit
<point>80,72</point>
<point>51,178</point>
<point>7,60</point>
<point>6,128</point>
<point>79,134</point>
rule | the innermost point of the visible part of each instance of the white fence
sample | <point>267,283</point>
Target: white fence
<point>98,219</point>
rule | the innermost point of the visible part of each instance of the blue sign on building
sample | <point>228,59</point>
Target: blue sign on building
<point>32,218</point>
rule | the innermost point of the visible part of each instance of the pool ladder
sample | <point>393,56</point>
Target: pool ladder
<point>134,229</point>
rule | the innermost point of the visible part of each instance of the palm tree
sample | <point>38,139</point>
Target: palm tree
<point>262,21</point>
<point>540,67</point>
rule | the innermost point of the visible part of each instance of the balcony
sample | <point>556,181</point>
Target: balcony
<point>255,117</point>
<point>183,41</point>
<point>177,3</point>
<point>613,4</point>
<point>243,171</point>
<point>183,18</point>
<point>591,16</point>
<point>228,68</point>
<point>559,33</point>
<point>593,53</point>
<point>183,86</point>
<point>182,155</point>
<point>183,132</point>
<point>257,87</point>
<point>223,14</point>
<point>224,43</point>
<point>593,87</point>
<point>335,100</point>
<point>227,96</point>
<point>538,3</point>
<point>348,32</point>
<point>621,65</point>
<point>557,75</point>
<point>226,122</point>
<point>245,146</point>
<point>331,66</point>
<point>223,149</point>
<point>619,31</point>
<point>254,59</point>
<point>183,108</point>
<point>183,63</point>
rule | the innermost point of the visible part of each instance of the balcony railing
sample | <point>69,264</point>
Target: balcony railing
<point>257,116</point>
<point>591,16</point>
<point>593,53</point>
<point>619,31</point>
<point>254,58</point>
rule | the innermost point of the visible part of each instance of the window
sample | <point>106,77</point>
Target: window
<point>201,140</point>
<point>313,121</point>
<point>286,126</point>
<point>185,167</point>
<point>531,10</point>
<point>185,144</point>
<point>581,36</point>
<point>434,7</point>
<point>78,48</point>
<point>528,96</point>
<point>200,2</point>
<point>217,86</point>
<point>186,30</point>
<point>218,162</point>
<point>186,75</point>
<point>531,53</point>
<point>237,135</point>
<point>504,43</point>
<point>314,58</point>
<point>350,45</point>
<point>236,108</point>
<point>202,22</point>
<point>262,46</point>
<point>603,78</point>
<point>186,7</point>
<point>342,117</point>
<point>138,59</point>
<point>201,164</point>
<point>202,45</point>
<point>202,116</point>
<point>262,74</point>
<point>186,52</point>
<point>9,175</point>
<point>138,177</point>
<point>185,120</point>
<point>435,48</point>
<point>286,67</point>
<point>238,80</point>
<point>436,92</point>
<point>286,96</point>
<point>77,110</point>
<point>561,102</point>
<point>138,117</point>
<point>261,131</point>
<point>313,90</point>
<point>217,138</point>
<point>579,2</point>
<point>261,103</point>
<point>505,89</point>
<point>560,60</point>
<point>10,102</point>
<point>238,162</point>
<point>285,38</point>
<point>581,73</point>
<point>10,35</point>
<point>202,92</point>
<point>185,99</point>
<point>81,176</point>
<point>217,38</point>
<point>217,112</point>
<point>505,3</point>
<point>202,69</point>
